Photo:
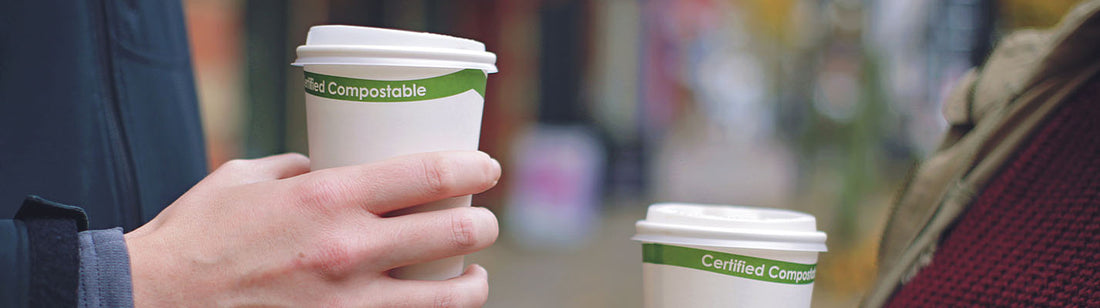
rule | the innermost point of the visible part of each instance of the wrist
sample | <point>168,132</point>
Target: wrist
<point>151,272</point>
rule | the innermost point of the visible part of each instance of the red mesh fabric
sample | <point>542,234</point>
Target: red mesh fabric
<point>1032,238</point>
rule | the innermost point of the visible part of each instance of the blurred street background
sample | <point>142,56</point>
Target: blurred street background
<point>603,107</point>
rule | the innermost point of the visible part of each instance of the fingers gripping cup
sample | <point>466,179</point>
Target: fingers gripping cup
<point>373,93</point>
<point>728,256</point>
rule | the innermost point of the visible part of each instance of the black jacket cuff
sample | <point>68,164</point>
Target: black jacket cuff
<point>54,250</point>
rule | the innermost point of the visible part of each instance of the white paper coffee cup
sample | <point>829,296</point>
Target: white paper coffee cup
<point>728,256</point>
<point>374,93</point>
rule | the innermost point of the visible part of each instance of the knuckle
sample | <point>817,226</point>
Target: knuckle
<point>316,194</point>
<point>464,230</point>
<point>300,158</point>
<point>297,156</point>
<point>236,165</point>
<point>288,159</point>
<point>439,175</point>
<point>333,258</point>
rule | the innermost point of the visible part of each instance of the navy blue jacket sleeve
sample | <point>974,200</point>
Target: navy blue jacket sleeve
<point>43,260</point>
<point>14,264</point>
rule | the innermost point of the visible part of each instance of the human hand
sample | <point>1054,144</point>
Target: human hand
<point>264,232</point>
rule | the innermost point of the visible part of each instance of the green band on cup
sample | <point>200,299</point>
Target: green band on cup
<point>729,264</point>
<point>384,91</point>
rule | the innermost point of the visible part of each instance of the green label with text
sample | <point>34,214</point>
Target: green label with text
<point>385,91</point>
<point>729,264</point>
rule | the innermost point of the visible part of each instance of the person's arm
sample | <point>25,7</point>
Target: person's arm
<point>265,232</point>
<point>44,262</point>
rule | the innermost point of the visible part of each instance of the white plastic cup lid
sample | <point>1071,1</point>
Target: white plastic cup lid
<point>355,45</point>
<point>730,226</point>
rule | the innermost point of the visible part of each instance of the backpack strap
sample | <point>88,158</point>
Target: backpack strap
<point>991,113</point>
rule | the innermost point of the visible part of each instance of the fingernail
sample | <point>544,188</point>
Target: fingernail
<point>487,210</point>
<point>499,171</point>
<point>496,162</point>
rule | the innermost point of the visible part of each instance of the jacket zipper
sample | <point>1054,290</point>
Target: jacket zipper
<point>125,188</point>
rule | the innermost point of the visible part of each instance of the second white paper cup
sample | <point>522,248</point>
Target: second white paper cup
<point>373,94</point>
<point>728,256</point>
